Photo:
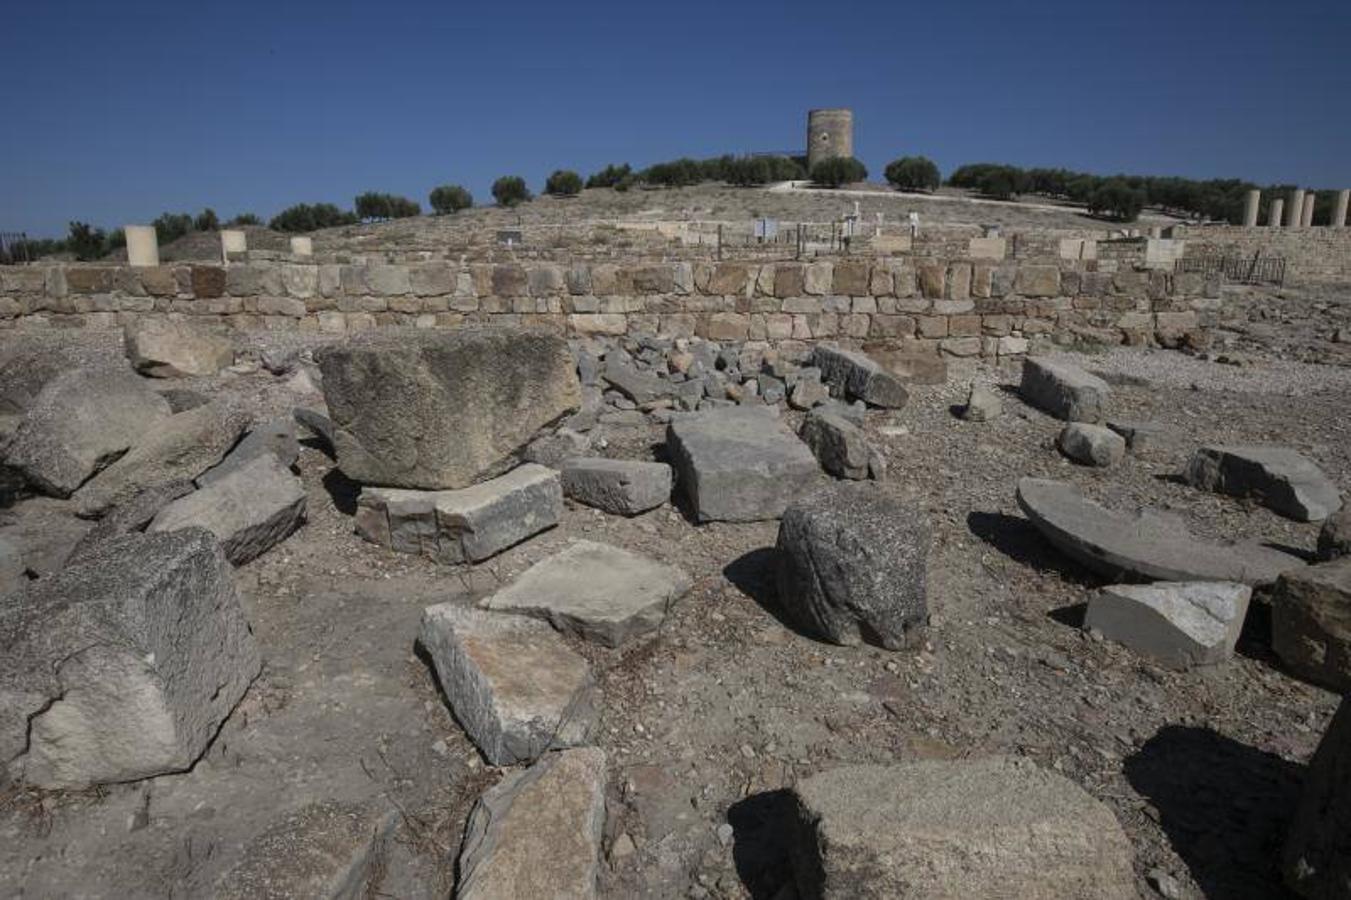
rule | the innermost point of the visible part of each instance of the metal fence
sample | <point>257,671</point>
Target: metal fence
<point>14,248</point>
<point>1240,270</point>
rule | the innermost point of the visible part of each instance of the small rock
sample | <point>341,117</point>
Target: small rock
<point>1091,445</point>
<point>982,404</point>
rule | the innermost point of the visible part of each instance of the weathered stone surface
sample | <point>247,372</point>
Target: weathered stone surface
<point>1140,437</point>
<point>327,849</point>
<point>123,665</point>
<point>1334,539</point>
<point>990,827</point>
<point>537,832</point>
<point>164,348</point>
<point>512,682</point>
<point>183,399</point>
<point>1311,623</point>
<point>1148,545</point>
<point>856,376</point>
<point>852,566</point>
<point>840,446</point>
<point>1063,390</point>
<point>180,447</point>
<point>25,372</point>
<point>623,487</point>
<point>1177,624</point>
<point>249,510</point>
<point>910,367</point>
<point>317,424</point>
<point>1091,445</point>
<point>467,525</point>
<point>1281,479</point>
<point>79,423</point>
<point>808,393</point>
<point>599,592</point>
<point>130,515</point>
<point>13,573</point>
<point>1317,858</point>
<point>554,448</point>
<point>983,404</point>
<point>640,387</point>
<point>276,438</point>
<point>443,409</point>
<point>738,465</point>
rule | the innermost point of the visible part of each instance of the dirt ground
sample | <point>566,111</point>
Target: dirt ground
<point>706,724</point>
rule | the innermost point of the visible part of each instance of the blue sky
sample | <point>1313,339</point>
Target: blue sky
<point>115,112</point>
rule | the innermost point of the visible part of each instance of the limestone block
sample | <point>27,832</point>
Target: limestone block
<point>618,486</point>
<point>1063,390</point>
<point>1311,623</point>
<point>1177,624</point>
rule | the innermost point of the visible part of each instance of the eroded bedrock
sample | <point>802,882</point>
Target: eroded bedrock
<point>1147,545</point>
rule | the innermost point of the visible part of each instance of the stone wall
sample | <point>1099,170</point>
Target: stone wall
<point>1312,255</point>
<point>982,303</point>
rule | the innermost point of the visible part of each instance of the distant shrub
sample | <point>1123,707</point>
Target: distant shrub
<point>450,198</point>
<point>1116,199</point>
<point>837,171</point>
<point>563,183</point>
<point>610,176</point>
<point>913,173</point>
<point>375,206</point>
<point>244,219</point>
<point>626,182</point>
<point>86,241</point>
<point>681,172</point>
<point>311,217</point>
<point>510,190</point>
<point>170,227</point>
<point>206,221</point>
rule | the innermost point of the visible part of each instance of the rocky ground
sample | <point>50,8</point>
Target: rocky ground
<point>345,734</point>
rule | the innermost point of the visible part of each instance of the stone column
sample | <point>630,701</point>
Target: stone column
<point>302,246</point>
<point>1274,216</point>
<point>1306,218</point>
<point>142,245</point>
<point>1250,207</point>
<point>1339,212</point>
<point>1295,211</point>
<point>232,241</point>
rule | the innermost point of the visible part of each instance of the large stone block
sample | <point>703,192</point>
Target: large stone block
<point>990,827</point>
<point>78,423</point>
<point>467,525</point>
<point>852,566</point>
<point>442,410</point>
<point>1311,623</point>
<point>1177,624</point>
<point>124,665</point>
<point>276,438</point>
<point>1037,281</point>
<point>840,446</point>
<point>1283,480</point>
<point>856,376</point>
<point>622,487</point>
<point>164,348</point>
<point>1317,858</point>
<point>1063,390</point>
<point>514,685</point>
<point>738,465</point>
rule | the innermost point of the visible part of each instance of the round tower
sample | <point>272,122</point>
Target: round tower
<point>830,133</point>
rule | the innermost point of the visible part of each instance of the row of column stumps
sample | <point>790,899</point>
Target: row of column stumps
<point>143,245</point>
<point>1299,213</point>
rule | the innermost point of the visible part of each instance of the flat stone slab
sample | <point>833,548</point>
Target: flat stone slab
<point>1146,546</point>
<point>277,438</point>
<point>1317,857</point>
<point>250,510</point>
<point>989,827</point>
<point>596,591</point>
<point>1283,480</point>
<point>467,525</point>
<point>739,465</point>
<point>624,487</point>
<point>857,376</point>
<point>1063,390</point>
<point>537,832</point>
<point>515,687</point>
<point>124,665</point>
<point>1177,624</point>
<point>1311,623</point>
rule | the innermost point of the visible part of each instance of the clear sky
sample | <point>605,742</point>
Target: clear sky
<point>115,112</point>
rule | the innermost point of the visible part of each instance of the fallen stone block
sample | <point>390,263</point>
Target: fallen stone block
<point>1177,624</point>
<point>1281,479</point>
<point>554,449</point>
<point>513,684</point>
<point>738,465</point>
<point>124,665</point>
<point>276,438</point>
<point>983,404</point>
<point>908,366</point>
<point>622,487</point>
<point>467,525</point>
<point>1091,445</point>
<point>989,827</point>
<point>165,348</point>
<point>537,832</point>
<point>180,447</point>
<point>1149,546</point>
<point>317,424</point>
<point>640,387</point>
<point>130,515</point>
<point>442,410</point>
<point>249,510</point>
<point>1063,390</point>
<point>1317,857</point>
<point>852,566</point>
<point>840,446</point>
<point>856,376</point>
<point>1140,437</point>
<point>79,423</point>
<point>808,393</point>
<point>598,592</point>
<point>1311,623</point>
<point>1334,538</point>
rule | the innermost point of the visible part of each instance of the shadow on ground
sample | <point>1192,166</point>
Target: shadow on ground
<point>343,490</point>
<point>762,832</point>
<point>1224,806</point>
<point>752,573</point>
<point>1020,541</point>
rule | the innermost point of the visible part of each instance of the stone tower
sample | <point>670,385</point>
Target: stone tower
<point>830,133</point>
